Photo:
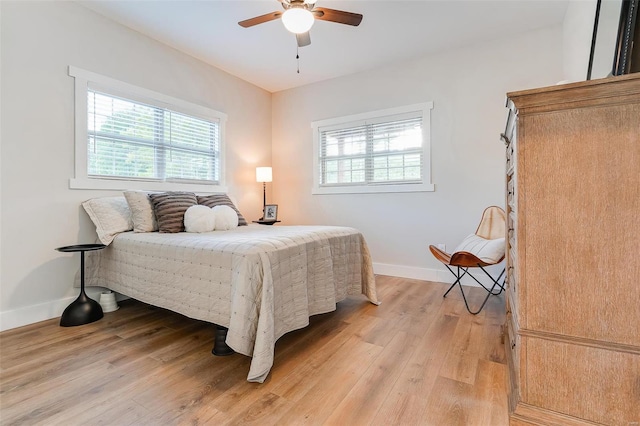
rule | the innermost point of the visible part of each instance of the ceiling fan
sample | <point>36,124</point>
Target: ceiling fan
<point>299,16</point>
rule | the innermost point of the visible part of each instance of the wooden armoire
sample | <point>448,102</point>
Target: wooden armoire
<point>573,253</point>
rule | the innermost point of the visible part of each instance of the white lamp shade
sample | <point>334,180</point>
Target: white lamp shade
<point>297,20</point>
<point>263,174</point>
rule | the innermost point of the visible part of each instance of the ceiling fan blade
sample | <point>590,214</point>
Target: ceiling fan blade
<point>260,19</point>
<point>303,39</point>
<point>338,16</point>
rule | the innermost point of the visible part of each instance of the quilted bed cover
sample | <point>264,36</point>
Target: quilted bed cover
<point>258,281</point>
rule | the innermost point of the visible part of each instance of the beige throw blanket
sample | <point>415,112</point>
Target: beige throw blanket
<point>259,281</point>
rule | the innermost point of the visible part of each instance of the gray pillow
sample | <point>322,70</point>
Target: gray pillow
<point>144,219</point>
<point>221,200</point>
<point>169,208</point>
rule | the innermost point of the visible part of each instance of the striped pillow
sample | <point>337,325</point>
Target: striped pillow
<point>169,208</point>
<point>221,200</point>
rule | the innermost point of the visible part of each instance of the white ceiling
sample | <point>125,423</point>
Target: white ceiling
<point>265,55</point>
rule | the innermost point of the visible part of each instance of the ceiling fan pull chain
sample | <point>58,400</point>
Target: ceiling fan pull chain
<point>298,58</point>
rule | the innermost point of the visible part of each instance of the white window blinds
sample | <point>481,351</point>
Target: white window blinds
<point>386,150</point>
<point>133,140</point>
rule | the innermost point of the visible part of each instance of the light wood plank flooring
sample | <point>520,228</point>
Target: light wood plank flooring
<point>417,359</point>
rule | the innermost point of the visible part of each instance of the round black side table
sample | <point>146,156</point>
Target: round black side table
<point>83,310</point>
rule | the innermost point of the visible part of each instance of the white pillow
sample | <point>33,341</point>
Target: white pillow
<point>226,218</point>
<point>489,251</point>
<point>199,219</point>
<point>144,219</point>
<point>111,215</point>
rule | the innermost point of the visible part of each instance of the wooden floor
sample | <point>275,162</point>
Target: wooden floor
<point>417,359</point>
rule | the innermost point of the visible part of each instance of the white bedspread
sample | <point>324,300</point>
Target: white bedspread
<point>259,281</point>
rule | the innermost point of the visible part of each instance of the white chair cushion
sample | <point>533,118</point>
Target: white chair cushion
<point>489,251</point>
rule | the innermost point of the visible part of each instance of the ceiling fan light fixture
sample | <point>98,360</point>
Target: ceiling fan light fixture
<point>297,20</point>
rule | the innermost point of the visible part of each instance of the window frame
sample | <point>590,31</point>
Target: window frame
<point>82,180</point>
<point>375,116</point>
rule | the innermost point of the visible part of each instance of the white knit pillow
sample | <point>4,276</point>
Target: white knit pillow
<point>489,251</point>
<point>226,218</point>
<point>199,219</point>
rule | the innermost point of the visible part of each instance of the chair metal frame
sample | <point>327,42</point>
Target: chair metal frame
<point>496,283</point>
<point>492,225</point>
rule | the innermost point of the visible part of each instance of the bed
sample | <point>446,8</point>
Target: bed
<point>257,281</point>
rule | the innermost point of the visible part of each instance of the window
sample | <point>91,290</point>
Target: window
<point>382,151</point>
<point>132,138</point>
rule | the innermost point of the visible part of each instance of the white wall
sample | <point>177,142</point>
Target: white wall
<point>0,158</point>
<point>468,88</point>
<point>39,212</point>
<point>577,34</point>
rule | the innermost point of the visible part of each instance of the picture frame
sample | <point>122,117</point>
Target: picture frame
<point>270,212</point>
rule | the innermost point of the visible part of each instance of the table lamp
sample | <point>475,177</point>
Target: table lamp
<point>263,174</point>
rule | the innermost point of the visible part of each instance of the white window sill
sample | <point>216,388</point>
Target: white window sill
<point>373,189</point>
<point>124,185</point>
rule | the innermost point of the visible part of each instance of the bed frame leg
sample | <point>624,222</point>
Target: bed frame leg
<point>220,347</point>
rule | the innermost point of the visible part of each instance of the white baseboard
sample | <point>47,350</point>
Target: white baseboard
<point>53,309</point>
<point>34,313</point>
<point>40,312</point>
<point>435,275</point>
<point>411,272</point>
